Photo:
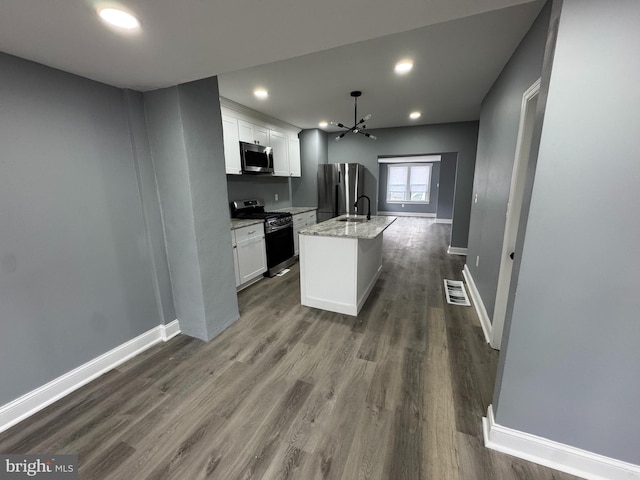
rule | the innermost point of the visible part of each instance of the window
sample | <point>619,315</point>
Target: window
<point>409,183</point>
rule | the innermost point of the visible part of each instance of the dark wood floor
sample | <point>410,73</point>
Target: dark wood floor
<point>293,392</point>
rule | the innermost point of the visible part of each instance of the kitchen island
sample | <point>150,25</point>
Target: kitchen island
<point>340,261</point>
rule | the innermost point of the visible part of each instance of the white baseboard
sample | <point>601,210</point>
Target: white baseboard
<point>450,222</point>
<point>485,321</point>
<point>35,400</point>
<point>457,251</point>
<point>553,454</point>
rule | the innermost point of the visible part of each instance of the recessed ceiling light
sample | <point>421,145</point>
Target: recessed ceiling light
<point>414,115</point>
<point>261,93</point>
<point>403,66</point>
<point>323,124</point>
<point>119,18</point>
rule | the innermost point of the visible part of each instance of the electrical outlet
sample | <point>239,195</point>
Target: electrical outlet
<point>276,197</point>
<point>477,260</point>
<point>475,200</point>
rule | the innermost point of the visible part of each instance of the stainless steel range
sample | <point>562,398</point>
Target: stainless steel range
<point>278,232</point>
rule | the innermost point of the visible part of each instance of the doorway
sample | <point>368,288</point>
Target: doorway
<point>514,209</point>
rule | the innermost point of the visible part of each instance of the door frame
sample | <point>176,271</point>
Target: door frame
<point>514,207</point>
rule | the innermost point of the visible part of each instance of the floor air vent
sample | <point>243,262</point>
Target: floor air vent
<point>456,294</point>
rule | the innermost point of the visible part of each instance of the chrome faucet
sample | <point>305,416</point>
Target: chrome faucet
<point>368,205</point>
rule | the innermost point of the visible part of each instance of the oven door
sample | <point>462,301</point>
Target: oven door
<point>279,247</point>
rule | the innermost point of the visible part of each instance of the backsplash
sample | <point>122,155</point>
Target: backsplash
<point>260,186</point>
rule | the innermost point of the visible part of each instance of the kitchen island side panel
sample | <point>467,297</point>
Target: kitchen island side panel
<point>338,274</point>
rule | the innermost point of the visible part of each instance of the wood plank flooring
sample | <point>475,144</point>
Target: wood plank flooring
<point>290,392</point>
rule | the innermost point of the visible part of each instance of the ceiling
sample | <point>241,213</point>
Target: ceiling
<point>308,54</point>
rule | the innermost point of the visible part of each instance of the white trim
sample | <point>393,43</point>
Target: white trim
<point>170,330</point>
<point>554,455</point>
<point>520,162</point>
<point>411,159</point>
<point>449,221</point>
<point>253,116</point>
<point>456,251</point>
<point>43,396</point>
<point>407,214</point>
<point>478,304</point>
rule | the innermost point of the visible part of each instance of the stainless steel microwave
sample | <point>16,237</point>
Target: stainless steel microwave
<point>256,159</point>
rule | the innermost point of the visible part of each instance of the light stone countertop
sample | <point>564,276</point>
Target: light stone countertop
<point>239,223</point>
<point>365,230</point>
<point>296,210</point>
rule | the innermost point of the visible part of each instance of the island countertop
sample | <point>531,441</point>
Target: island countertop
<point>334,227</point>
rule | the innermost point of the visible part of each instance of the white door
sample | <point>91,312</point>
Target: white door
<point>514,207</point>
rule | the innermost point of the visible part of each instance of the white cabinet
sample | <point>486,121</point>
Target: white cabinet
<point>231,145</point>
<point>280,147</point>
<point>294,156</point>
<point>301,221</point>
<point>251,133</point>
<point>239,127</point>
<point>286,153</point>
<point>251,252</point>
<point>235,257</point>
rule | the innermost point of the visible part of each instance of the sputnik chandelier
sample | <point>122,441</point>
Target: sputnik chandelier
<point>358,125</point>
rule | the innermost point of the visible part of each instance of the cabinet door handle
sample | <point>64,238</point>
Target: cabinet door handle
<point>251,232</point>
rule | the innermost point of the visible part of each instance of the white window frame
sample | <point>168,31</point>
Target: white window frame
<point>407,182</point>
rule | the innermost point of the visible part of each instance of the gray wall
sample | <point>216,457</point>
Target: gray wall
<point>75,263</point>
<point>185,132</point>
<point>313,152</point>
<point>499,120</point>
<point>151,205</point>
<point>570,368</point>
<point>260,186</point>
<point>460,138</point>
<point>447,189</point>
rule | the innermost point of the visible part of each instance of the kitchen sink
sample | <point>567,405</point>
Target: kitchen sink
<point>354,220</point>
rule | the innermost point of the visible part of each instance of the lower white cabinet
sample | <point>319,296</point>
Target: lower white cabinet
<point>235,257</point>
<point>300,221</point>
<point>250,253</point>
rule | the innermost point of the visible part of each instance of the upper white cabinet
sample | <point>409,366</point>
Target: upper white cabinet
<point>280,145</point>
<point>231,145</point>
<point>240,127</point>
<point>294,156</point>
<point>250,133</point>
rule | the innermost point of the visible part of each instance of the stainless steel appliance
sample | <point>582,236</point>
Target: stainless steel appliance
<point>278,232</point>
<point>339,185</point>
<point>256,158</point>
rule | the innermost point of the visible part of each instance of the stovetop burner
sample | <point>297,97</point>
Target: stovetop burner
<point>254,209</point>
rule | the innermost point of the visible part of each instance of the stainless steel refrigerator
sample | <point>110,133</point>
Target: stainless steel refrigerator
<point>339,185</point>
